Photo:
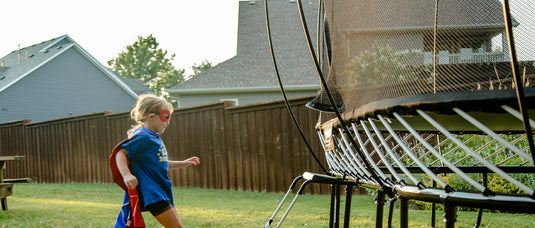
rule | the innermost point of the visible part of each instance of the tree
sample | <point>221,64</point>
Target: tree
<point>198,68</point>
<point>143,60</point>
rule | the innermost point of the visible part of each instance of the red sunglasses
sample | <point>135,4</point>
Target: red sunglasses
<point>165,115</point>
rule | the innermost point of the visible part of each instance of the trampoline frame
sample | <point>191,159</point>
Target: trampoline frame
<point>352,165</point>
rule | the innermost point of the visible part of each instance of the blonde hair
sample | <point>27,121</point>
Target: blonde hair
<point>145,105</point>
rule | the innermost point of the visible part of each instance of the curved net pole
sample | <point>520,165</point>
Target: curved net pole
<point>519,83</point>
<point>284,92</point>
<point>385,188</point>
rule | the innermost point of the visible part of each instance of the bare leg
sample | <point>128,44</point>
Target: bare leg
<point>169,219</point>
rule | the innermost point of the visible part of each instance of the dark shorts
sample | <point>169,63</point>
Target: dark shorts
<point>159,207</point>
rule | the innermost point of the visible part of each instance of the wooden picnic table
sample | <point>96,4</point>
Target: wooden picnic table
<point>6,189</point>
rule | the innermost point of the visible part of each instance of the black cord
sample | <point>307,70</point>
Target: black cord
<point>284,93</point>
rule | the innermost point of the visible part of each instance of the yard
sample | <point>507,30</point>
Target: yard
<point>96,205</point>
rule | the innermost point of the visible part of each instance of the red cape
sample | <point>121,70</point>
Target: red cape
<point>135,208</point>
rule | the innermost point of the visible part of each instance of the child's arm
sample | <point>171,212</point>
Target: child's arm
<point>122,164</point>
<point>183,164</point>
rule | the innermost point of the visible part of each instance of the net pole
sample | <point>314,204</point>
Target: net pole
<point>519,83</point>
<point>288,107</point>
<point>387,189</point>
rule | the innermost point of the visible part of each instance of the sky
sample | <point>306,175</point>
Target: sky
<point>192,30</point>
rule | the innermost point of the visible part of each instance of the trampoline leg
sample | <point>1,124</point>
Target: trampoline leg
<point>347,212</point>
<point>450,215</point>
<point>404,212</point>
<point>391,212</point>
<point>380,202</point>
<point>433,209</point>
<point>433,214</point>
<point>335,207</point>
<point>479,215</point>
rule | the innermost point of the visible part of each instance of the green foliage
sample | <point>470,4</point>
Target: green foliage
<point>145,61</point>
<point>384,65</point>
<point>493,152</point>
<point>199,68</point>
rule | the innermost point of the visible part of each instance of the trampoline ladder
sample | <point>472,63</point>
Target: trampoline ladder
<point>335,196</point>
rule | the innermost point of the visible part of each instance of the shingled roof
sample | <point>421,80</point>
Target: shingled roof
<point>252,67</point>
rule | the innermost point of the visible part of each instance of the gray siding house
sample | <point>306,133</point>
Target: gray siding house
<point>58,78</point>
<point>249,77</point>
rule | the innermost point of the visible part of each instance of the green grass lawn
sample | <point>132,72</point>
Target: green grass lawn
<point>96,205</point>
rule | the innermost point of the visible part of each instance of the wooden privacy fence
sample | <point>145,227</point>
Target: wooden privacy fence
<point>251,148</point>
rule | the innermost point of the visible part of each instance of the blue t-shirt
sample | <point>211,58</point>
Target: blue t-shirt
<point>149,163</point>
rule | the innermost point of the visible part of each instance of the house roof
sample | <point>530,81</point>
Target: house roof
<point>20,63</point>
<point>135,84</point>
<point>252,67</point>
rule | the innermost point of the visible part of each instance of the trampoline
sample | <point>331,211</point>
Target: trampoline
<point>425,100</point>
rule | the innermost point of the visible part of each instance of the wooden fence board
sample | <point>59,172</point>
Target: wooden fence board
<point>253,147</point>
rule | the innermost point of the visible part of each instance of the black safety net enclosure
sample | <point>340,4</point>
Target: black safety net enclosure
<point>427,100</point>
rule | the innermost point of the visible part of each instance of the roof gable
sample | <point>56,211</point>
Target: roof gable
<point>252,67</point>
<point>20,63</point>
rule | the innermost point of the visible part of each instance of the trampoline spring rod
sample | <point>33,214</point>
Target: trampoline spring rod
<point>432,150</point>
<point>393,155</point>
<point>492,133</point>
<point>322,141</point>
<point>477,156</point>
<point>480,149</point>
<point>420,144</point>
<point>411,155</point>
<point>341,159</point>
<point>517,114</point>
<point>359,168</point>
<point>342,164</point>
<point>356,162</point>
<point>365,152</point>
<point>383,158</point>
